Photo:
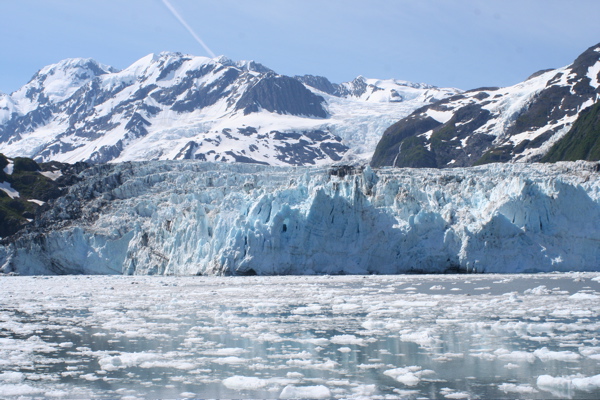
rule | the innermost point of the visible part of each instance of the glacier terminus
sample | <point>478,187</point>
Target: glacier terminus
<point>196,218</point>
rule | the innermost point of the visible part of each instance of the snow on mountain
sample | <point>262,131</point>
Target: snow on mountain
<point>7,107</point>
<point>190,217</point>
<point>392,90</point>
<point>56,83</point>
<point>379,90</point>
<point>518,123</point>
<point>174,106</point>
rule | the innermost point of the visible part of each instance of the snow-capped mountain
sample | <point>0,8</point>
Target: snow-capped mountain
<point>376,90</point>
<point>517,124</point>
<point>173,106</point>
<point>190,217</point>
<point>7,107</point>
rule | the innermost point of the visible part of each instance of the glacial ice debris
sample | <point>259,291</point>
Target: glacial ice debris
<point>190,217</point>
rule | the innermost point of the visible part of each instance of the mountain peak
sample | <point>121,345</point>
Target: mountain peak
<point>57,82</point>
<point>587,59</point>
<point>79,65</point>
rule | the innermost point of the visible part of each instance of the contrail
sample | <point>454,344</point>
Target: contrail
<point>186,26</point>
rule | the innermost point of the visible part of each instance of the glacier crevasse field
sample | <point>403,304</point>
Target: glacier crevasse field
<point>192,218</point>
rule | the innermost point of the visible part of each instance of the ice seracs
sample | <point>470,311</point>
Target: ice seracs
<point>189,217</point>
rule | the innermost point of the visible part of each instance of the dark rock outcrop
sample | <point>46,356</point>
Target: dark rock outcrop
<point>487,125</point>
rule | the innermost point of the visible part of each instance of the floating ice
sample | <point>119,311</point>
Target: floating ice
<point>234,351</point>
<point>409,376</point>
<point>12,377</point>
<point>585,296</point>
<point>423,338</point>
<point>305,392</point>
<point>19,390</point>
<point>506,355</point>
<point>124,360</point>
<point>480,344</point>
<point>546,355</point>
<point>568,383</point>
<point>244,383</point>
<point>347,339</point>
<point>512,388</point>
<point>451,394</point>
<point>538,291</point>
<point>230,360</point>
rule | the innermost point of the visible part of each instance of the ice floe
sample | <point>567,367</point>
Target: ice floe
<point>231,337</point>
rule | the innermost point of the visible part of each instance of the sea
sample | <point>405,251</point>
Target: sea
<point>533,336</point>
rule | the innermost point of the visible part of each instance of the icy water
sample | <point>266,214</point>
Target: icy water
<point>432,336</point>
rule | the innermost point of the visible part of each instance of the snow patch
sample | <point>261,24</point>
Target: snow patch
<point>440,116</point>
<point>8,170</point>
<point>593,74</point>
<point>7,188</point>
<point>53,175</point>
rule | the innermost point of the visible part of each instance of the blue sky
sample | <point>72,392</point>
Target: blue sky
<point>458,43</point>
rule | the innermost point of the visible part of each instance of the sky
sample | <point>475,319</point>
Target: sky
<point>447,43</point>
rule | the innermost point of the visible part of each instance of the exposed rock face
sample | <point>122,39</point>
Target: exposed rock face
<point>518,123</point>
<point>282,95</point>
<point>189,217</point>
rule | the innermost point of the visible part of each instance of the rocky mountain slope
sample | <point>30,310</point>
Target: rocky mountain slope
<point>514,124</point>
<point>190,217</point>
<point>173,106</point>
<point>582,142</point>
<point>26,187</point>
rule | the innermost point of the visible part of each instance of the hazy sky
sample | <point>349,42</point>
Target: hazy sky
<point>458,43</point>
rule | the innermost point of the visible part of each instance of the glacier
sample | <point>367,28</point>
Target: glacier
<point>198,218</point>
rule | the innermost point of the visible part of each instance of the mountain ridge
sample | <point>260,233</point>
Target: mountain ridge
<point>171,105</point>
<point>514,124</point>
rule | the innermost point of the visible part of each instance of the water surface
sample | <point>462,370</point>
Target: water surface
<point>417,336</point>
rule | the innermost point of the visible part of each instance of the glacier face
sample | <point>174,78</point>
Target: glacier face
<point>190,217</point>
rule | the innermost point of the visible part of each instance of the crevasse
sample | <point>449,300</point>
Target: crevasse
<point>188,217</point>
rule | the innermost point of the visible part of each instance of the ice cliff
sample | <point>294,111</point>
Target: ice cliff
<point>189,217</point>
